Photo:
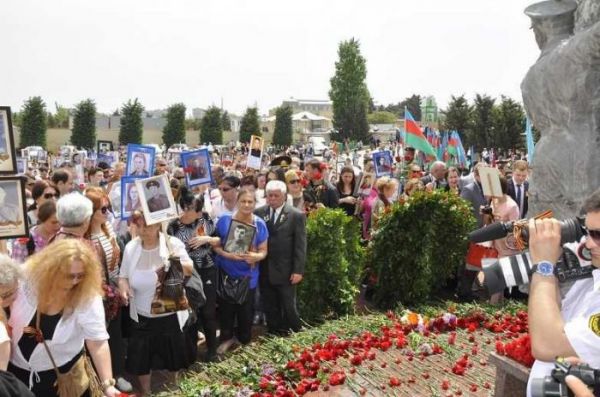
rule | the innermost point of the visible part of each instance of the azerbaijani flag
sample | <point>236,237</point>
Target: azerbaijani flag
<point>415,137</point>
<point>453,144</point>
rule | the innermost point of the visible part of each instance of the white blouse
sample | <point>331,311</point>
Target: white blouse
<point>85,323</point>
<point>131,259</point>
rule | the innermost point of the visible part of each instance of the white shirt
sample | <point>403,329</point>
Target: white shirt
<point>131,258</point>
<point>581,303</point>
<point>275,218</point>
<point>85,323</point>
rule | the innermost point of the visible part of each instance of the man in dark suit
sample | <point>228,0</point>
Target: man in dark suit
<point>283,267</point>
<point>518,186</point>
<point>436,179</point>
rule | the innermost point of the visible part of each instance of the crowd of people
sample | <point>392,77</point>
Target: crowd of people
<point>83,284</point>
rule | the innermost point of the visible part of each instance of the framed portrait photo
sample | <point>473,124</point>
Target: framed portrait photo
<point>130,199</point>
<point>140,161</point>
<point>363,188</point>
<point>255,154</point>
<point>383,163</point>
<point>157,199</point>
<point>13,208</point>
<point>21,165</point>
<point>239,237</point>
<point>104,146</point>
<point>8,157</point>
<point>196,165</point>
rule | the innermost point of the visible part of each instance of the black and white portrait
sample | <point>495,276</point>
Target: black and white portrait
<point>239,237</point>
<point>255,154</point>
<point>140,161</point>
<point>156,198</point>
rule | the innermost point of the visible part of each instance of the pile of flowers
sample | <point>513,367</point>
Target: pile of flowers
<point>393,350</point>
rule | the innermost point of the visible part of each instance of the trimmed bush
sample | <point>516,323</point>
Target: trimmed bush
<point>334,259</point>
<point>418,246</point>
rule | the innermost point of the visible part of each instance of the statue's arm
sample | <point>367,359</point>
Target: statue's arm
<point>586,45</point>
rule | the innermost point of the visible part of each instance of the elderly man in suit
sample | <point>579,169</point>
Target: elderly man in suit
<point>283,267</point>
<point>518,186</point>
<point>436,179</point>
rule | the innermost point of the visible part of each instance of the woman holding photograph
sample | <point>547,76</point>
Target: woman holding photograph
<point>194,228</point>
<point>157,341</point>
<point>237,266</point>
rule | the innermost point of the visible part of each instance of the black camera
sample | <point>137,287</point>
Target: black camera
<point>555,385</point>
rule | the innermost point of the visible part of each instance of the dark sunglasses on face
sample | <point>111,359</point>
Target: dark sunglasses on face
<point>48,196</point>
<point>594,234</point>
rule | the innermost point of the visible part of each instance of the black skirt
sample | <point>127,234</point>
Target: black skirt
<point>155,344</point>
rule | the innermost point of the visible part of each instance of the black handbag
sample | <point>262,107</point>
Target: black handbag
<point>194,289</point>
<point>232,290</point>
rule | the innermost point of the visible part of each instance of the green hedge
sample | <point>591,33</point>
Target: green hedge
<point>418,246</point>
<point>334,260</point>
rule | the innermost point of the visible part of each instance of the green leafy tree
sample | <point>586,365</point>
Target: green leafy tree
<point>482,122</point>
<point>413,104</point>
<point>226,121</point>
<point>509,122</point>
<point>132,127</point>
<point>283,134</point>
<point>382,117</point>
<point>83,134</point>
<point>211,128</point>
<point>457,115</point>
<point>33,122</point>
<point>174,131</point>
<point>349,92</point>
<point>61,117</point>
<point>250,125</point>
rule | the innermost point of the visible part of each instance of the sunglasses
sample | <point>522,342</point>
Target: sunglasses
<point>294,181</point>
<point>48,196</point>
<point>594,234</point>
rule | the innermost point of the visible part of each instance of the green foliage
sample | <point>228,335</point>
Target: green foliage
<point>83,134</point>
<point>382,117</point>
<point>283,133</point>
<point>333,262</point>
<point>226,121</point>
<point>193,124</point>
<point>457,115</point>
<point>418,246</point>
<point>250,125</point>
<point>60,119</point>
<point>509,122</point>
<point>349,92</point>
<point>211,128</point>
<point>32,121</point>
<point>413,104</point>
<point>482,122</point>
<point>174,130</point>
<point>132,127</point>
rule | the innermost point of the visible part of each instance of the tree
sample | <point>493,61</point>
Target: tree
<point>174,131</point>
<point>482,124</point>
<point>132,127</point>
<point>283,134</point>
<point>509,125</point>
<point>33,122</point>
<point>382,117</point>
<point>83,134</point>
<point>349,92</point>
<point>211,128</point>
<point>226,121</point>
<point>250,125</point>
<point>413,104</point>
<point>457,115</point>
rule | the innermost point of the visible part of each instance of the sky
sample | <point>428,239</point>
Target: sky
<point>260,52</point>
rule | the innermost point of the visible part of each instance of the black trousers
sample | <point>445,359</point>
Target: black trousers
<point>116,344</point>
<point>229,312</point>
<point>279,303</point>
<point>207,314</point>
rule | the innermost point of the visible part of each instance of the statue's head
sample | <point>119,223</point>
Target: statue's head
<point>551,18</point>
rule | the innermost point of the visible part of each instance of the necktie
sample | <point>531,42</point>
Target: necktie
<point>519,200</point>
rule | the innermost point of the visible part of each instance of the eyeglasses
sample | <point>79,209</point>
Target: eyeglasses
<point>594,234</point>
<point>48,196</point>
<point>76,276</point>
<point>104,209</point>
<point>294,181</point>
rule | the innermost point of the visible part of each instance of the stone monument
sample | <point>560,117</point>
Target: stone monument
<point>561,93</point>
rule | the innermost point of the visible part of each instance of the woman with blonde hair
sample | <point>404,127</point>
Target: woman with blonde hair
<point>386,188</point>
<point>57,310</point>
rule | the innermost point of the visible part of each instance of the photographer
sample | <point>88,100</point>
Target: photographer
<point>568,326</point>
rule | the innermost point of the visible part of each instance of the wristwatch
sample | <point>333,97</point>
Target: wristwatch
<point>544,268</point>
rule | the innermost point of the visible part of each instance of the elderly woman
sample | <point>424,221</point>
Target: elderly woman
<point>157,341</point>
<point>237,266</point>
<point>60,302</point>
<point>104,240</point>
<point>386,188</point>
<point>9,283</point>
<point>74,212</point>
<point>39,235</point>
<point>41,192</point>
<point>295,188</point>
<point>194,228</point>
